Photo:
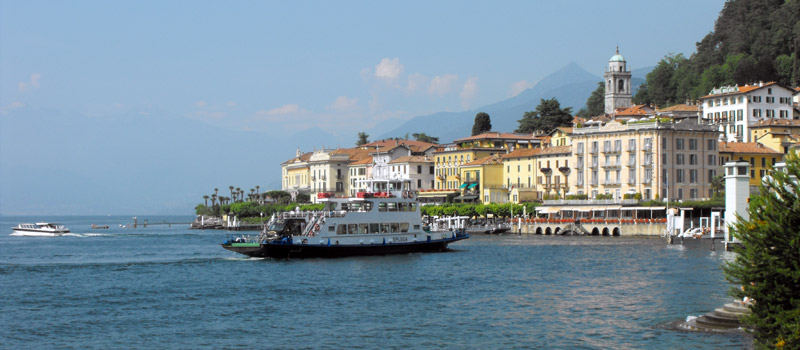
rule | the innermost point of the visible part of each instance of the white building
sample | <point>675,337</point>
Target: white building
<point>419,169</point>
<point>735,108</point>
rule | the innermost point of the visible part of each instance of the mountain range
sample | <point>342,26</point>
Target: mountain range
<point>571,85</point>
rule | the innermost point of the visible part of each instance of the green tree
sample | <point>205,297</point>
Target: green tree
<point>483,123</point>
<point>363,139</point>
<point>547,116</point>
<point>596,103</point>
<point>424,138</point>
<point>767,265</point>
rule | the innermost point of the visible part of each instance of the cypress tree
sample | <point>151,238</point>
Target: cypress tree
<point>767,266</point>
<point>482,124</point>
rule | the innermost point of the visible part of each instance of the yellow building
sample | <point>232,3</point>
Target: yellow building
<point>448,160</point>
<point>296,175</point>
<point>481,176</point>
<point>560,136</point>
<point>518,168</point>
<point>761,158</point>
<point>655,157</point>
<point>778,134</point>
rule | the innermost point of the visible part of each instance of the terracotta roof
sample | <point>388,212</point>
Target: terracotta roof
<point>303,158</point>
<point>490,135</point>
<point>635,110</point>
<point>680,108</point>
<point>389,144</point>
<point>745,147</point>
<point>565,129</point>
<point>412,159</point>
<point>556,150</point>
<point>490,160</point>
<point>742,90</point>
<point>367,160</point>
<point>355,154</point>
<point>765,123</point>
<point>522,152</point>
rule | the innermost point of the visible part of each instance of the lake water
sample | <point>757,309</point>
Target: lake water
<point>171,287</point>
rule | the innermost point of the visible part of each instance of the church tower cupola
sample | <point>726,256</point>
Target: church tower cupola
<point>618,84</point>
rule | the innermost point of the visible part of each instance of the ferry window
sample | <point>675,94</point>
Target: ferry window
<point>367,206</point>
<point>362,228</point>
<point>392,206</point>
<point>416,227</point>
<point>352,229</point>
<point>374,228</point>
<point>403,206</point>
<point>331,228</point>
<point>345,206</point>
<point>412,206</point>
<point>394,227</point>
<point>354,207</point>
<point>381,206</point>
<point>341,229</point>
<point>404,227</point>
<point>384,228</point>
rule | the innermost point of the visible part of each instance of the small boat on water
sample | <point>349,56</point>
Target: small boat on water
<point>385,220</point>
<point>40,229</point>
<point>99,227</point>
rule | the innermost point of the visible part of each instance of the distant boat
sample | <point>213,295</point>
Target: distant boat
<point>40,229</point>
<point>94,226</point>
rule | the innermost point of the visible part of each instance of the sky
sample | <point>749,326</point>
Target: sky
<point>280,67</point>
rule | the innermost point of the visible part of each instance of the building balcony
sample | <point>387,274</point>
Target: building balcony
<point>611,165</point>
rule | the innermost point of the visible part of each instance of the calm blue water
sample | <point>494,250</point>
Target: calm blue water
<point>176,288</point>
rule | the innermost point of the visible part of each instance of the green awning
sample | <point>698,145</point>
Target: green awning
<point>463,185</point>
<point>472,186</point>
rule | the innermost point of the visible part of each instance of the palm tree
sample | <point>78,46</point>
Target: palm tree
<point>206,198</point>
<point>239,192</point>
<point>231,187</point>
<point>216,190</point>
<point>214,200</point>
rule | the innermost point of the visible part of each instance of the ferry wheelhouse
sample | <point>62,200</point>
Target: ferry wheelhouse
<point>383,220</point>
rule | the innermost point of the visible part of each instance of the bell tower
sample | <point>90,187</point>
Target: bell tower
<point>618,84</point>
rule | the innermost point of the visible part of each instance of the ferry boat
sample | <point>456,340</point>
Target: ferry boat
<point>385,220</point>
<point>40,229</point>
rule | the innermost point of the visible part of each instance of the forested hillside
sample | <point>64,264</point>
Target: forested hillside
<point>752,41</point>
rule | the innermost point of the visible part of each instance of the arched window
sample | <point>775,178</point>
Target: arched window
<point>621,87</point>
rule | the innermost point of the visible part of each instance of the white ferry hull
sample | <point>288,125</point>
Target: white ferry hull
<point>34,233</point>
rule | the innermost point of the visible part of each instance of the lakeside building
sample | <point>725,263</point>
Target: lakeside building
<point>329,170</point>
<point>537,174</point>
<point>778,134</point>
<point>734,108</point>
<point>618,84</point>
<point>418,169</point>
<point>482,176</point>
<point>633,112</point>
<point>657,158</point>
<point>358,171</point>
<point>762,159</point>
<point>449,159</point>
<point>296,175</point>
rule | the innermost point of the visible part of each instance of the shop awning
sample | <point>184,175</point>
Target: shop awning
<point>548,210</point>
<point>462,186</point>
<point>644,208</point>
<point>472,186</point>
<point>465,198</point>
<point>608,207</point>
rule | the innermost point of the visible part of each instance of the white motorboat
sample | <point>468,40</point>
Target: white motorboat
<point>40,229</point>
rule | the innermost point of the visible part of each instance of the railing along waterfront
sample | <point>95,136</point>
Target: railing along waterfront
<point>591,202</point>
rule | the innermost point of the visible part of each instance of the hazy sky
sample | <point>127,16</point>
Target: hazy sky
<point>272,68</point>
<point>337,64</point>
